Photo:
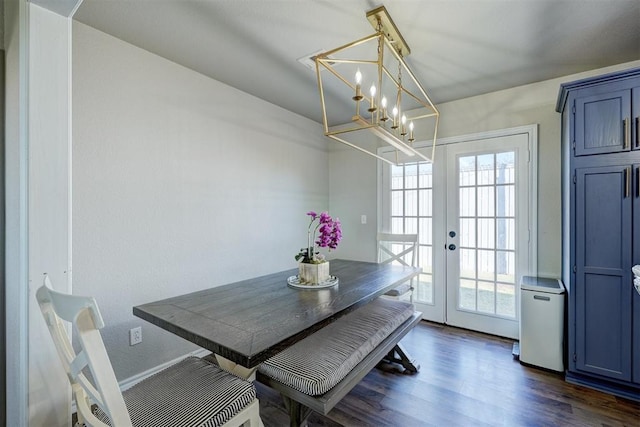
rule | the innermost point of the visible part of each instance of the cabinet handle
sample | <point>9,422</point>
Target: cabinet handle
<point>627,181</point>
<point>637,181</point>
<point>637,132</point>
<point>627,133</point>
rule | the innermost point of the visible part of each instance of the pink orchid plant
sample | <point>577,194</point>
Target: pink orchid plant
<point>329,235</point>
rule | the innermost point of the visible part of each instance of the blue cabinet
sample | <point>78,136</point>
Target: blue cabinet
<point>603,123</point>
<point>601,230</point>
<point>603,305</point>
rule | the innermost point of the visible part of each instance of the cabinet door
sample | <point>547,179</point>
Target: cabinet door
<point>603,271</point>
<point>603,123</point>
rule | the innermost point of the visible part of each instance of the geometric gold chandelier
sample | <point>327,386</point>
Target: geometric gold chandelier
<point>385,100</point>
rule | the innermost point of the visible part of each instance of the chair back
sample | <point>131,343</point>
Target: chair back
<point>84,315</point>
<point>397,249</point>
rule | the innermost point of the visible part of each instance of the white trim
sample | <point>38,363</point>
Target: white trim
<point>135,379</point>
<point>17,245</point>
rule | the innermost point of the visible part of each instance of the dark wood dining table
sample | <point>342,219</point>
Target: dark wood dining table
<point>251,320</point>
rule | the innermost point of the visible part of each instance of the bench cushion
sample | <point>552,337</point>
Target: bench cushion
<point>400,290</point>
<point>317,363</point>
<point>193,392</point>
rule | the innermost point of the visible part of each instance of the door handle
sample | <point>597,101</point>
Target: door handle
<point>637,181</point>
<point>627,133</point>
<point>627,182</point>
<point>452,247</point>
<point>541,298</point>
<point>637,144</point>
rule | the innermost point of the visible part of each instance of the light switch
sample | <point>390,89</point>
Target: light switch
<point>363,219</point>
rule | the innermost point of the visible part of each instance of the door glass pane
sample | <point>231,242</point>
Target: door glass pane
<point>411,176</point>
<point>467,295</point>
<point>467,232</point>
<point>467,202</point>
<point>486,233</point>
<point>411,203</point>
<point>467,171</point>
<point>426,259</point>
<point>485,201</point>
<point>426,232</point>
<point>487,227</point>
<point>506,233</point>
<point>505,300</point>
<point>397,177</point>
<point>486,297</point>
<point>467,263</point>
<point>486,260</point>
<point>425,175</point>
<point>397,225</point>
<point>396,203</point>
<point>505,167</point>
<point>485,169</point>
<point>426,208</point>
<point>505,265</point>
<point>506,200</point>
<point>412,212</point>
<point>410,225</point>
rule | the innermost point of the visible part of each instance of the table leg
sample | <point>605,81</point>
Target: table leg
<point>248,374</point>
<point>399,355</point>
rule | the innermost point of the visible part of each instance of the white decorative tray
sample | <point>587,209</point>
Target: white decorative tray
<point>294,282</point>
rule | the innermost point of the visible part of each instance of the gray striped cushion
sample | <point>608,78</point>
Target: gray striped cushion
<point>400,290</point>
<point>192,392</point>
<point>317,363</point>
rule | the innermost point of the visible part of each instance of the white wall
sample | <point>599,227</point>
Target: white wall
<point>524,105</point>
<point>179,183</point>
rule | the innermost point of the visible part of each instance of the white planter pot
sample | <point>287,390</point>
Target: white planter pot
<point>314,273</point>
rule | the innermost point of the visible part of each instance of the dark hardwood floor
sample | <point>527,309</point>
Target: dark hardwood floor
<point>466,379</point>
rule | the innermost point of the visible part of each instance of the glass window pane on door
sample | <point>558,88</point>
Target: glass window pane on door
<point>412,212</point>
<point>487,225</point>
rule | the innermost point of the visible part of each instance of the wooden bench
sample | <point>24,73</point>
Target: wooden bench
<point>302,372</point>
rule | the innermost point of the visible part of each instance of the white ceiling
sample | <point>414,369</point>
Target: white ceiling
<point>459,48</point>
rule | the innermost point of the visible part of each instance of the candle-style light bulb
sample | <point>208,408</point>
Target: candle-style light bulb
<point>372,92</point>
<point>394,112</point>
<point>411,138</point>
<point>403,120</point>
<point>358,96</point>
<point>383,104</point>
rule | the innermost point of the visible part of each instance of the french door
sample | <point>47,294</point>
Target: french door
<point>474,212</point>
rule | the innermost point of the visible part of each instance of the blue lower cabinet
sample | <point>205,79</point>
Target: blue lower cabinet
<point>603,297</point>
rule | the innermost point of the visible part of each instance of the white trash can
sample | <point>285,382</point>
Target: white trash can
<point>542,322</point>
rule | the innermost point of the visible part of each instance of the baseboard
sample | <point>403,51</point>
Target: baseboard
<point>131,381</point>
<point>621,390</point>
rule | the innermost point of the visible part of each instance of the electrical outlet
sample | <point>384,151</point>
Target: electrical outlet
<point>135,335</point>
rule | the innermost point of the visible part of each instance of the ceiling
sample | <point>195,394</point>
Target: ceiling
<point>459,48</point>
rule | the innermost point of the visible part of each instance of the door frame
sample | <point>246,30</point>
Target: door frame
<point>440,201</point>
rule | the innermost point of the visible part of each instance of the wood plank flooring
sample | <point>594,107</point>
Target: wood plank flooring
<point>466,379</point>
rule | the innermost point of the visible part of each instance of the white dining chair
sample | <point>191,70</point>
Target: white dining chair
<point>398,249</point>
<point>192,392</point>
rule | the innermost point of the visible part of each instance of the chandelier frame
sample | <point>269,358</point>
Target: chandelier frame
<point>389,39</point>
